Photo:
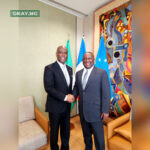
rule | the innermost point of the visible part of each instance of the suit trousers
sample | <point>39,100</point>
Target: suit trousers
<point>95,128</point>
<point>62,121</point>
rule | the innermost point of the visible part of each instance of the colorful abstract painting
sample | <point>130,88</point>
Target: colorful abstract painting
<point>115,26</point>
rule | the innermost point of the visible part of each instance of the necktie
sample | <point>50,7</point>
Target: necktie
<point>66,75</point>
<point>84,81</point>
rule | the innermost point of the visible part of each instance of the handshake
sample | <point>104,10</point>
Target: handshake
<point>70,98</point>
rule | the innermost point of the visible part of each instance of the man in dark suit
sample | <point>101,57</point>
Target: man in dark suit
<point>58,85</point>
<point>92,86</point>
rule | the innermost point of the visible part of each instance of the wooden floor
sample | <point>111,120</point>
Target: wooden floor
<point>76,137</point>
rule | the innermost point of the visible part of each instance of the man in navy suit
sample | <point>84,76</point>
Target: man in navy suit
<point>58,85</point>
<point>92,86</point>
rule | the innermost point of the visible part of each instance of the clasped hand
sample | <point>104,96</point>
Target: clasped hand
<point>70,98</point>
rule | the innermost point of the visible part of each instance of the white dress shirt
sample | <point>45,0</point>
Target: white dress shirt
<point>66,74</point>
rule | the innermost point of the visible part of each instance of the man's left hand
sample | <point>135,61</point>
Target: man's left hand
<point>104,116</point>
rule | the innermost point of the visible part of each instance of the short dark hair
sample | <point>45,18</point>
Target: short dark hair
<point>89,53</point>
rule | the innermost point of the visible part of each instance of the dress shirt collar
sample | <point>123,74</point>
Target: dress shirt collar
<point>60,64</point>
<point>89,70</point>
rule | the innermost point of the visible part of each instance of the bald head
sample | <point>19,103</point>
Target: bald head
<point>61,47</point>
<point>62,54</point>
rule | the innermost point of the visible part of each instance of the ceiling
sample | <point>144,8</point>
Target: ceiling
<point>82,6</point>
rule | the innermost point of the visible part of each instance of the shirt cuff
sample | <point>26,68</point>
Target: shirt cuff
<point>65,98</point>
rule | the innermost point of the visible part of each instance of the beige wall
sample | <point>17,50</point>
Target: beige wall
<point>85,27</point>
<point>8,51</point>
<point>38,39</point>
<point>88,31</point>
<point>79,33</point>
<point>8,75</point>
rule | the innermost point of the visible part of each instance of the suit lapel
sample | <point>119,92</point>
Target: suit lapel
<point>61,73</point>
<point>90,78</point>
<point>80,78</point>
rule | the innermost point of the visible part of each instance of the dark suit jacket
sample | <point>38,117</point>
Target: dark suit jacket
<point>96,97</point>
<point>56,87</point>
